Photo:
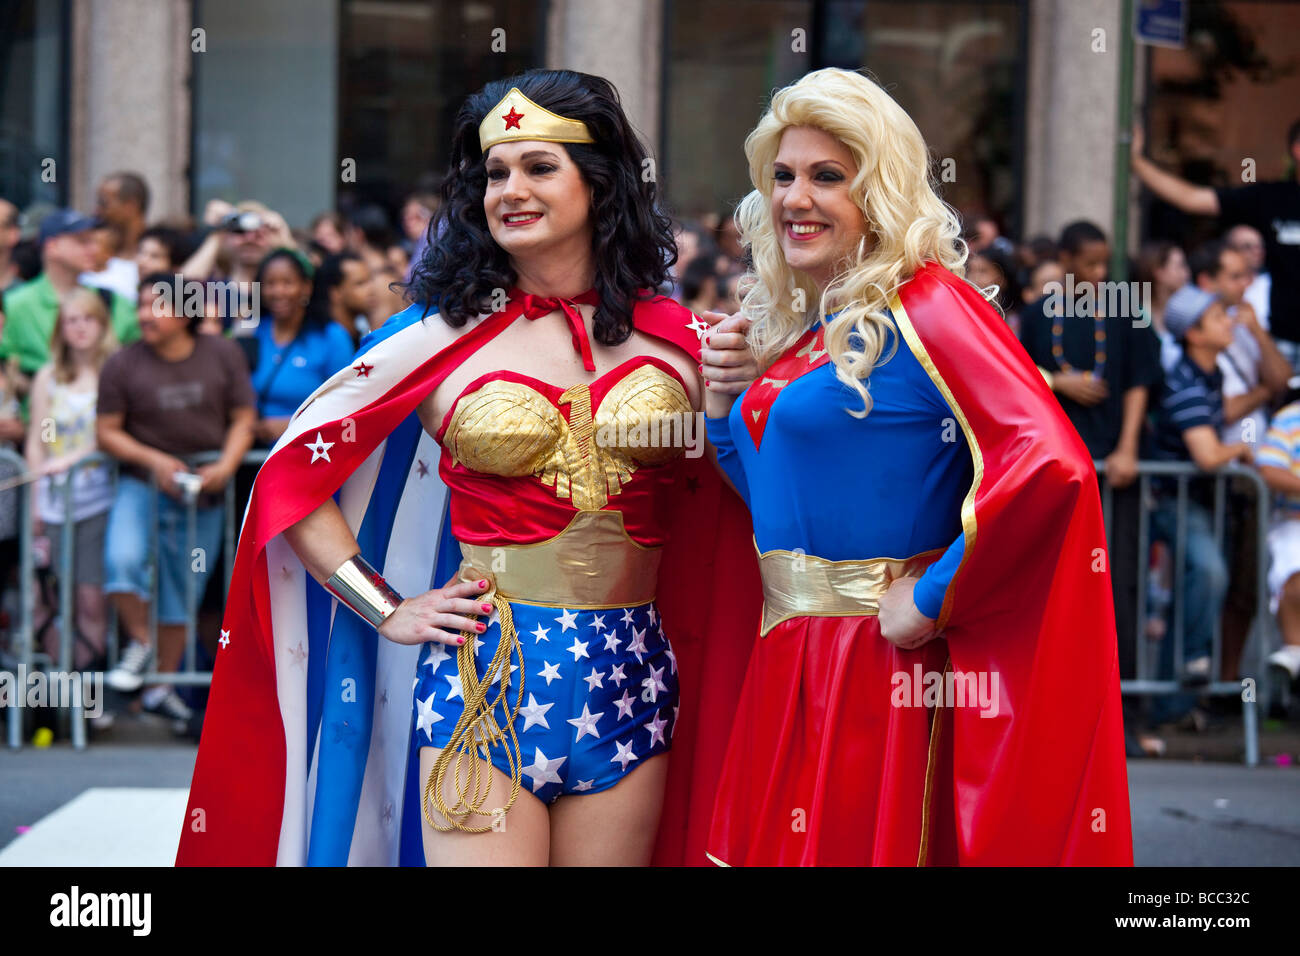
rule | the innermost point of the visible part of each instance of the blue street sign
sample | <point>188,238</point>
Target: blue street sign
<point>1161,22</point>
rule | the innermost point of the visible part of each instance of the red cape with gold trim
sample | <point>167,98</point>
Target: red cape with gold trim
<point>1045,781</point>
<point>308,754</point>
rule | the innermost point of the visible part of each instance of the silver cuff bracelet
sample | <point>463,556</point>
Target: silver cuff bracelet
<point>363,589</point>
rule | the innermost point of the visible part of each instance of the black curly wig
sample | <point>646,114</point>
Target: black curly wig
<point>632,237</point>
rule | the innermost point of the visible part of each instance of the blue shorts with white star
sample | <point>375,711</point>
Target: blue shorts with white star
<point>600,695</point>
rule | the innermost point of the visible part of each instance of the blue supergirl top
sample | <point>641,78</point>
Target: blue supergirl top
<point>890,485</point>
<point>287,374</point>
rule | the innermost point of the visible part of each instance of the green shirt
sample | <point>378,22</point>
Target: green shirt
<point>30,310</point>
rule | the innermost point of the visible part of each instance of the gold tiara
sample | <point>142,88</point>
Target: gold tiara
<point>517,117</point>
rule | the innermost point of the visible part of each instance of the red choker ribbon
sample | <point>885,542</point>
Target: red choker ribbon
<point>536,306</point>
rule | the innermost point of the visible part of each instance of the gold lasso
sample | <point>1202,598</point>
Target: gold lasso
<point>478,726</point>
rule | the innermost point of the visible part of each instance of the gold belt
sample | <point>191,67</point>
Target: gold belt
<point>590,564</point>
<point>804,585</point>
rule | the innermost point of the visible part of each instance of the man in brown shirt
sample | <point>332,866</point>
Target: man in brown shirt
<point>171,395</point>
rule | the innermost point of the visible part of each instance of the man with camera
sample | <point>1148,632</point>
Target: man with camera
<point>170,396</point>
<point>240,236</point>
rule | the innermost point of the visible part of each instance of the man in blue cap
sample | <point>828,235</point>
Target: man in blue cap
<point>30,310</point>
<point>1188,422</point>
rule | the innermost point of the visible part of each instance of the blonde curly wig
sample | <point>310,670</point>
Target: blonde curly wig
<point>894,188</point>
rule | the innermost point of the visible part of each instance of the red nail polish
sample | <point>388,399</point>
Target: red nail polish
<point>460,640</point>
<point>707,385</point>
<point>481,627</point>
<point>483,583</point>
<point>486,607</point>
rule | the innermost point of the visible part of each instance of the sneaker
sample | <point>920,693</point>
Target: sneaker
<point>1286,658</point>
<point>129,673</point>
<point>1197,670</point>
<point>172,708</point>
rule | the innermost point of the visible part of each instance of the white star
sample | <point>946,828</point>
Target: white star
<point>542,770</point>
<point>698,326</point>
<point>650,613</point>
<point>427,717</point>
<point>535,713</point>
<point>593,680</point>
<point>655,727</point>
<point>455,691</point>
<point>539,635</point>
<point>478,642</point>
<point>617,675</point>
<point>624,706</point>
<point>320,448</point>
<point>584,785</point>
<point>627,615</point>
<point>586,724</point>
<point>637,646</point>
<point>672,658</point>
<point>514,667</point>
<point>437,654</point>
<point>624,756</point>
<point>550,672</point>
<point>655,681</point>
<point>298,653</point>
<point>225,638</point>
<point>598,622</point>
<point>612,642</point>
<point>579,649</point>
<point>567,620</point>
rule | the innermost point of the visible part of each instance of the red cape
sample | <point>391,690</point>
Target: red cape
<point>1045,782</point>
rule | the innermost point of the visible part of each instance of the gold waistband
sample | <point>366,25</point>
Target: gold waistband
<point>590,564</point>
<point>803,585</point>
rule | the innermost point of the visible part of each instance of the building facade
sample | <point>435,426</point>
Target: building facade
<point>304,104</point>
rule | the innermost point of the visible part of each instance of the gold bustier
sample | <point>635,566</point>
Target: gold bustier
<point>510,429</point>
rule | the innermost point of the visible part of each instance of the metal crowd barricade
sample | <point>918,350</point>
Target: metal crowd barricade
<point>31,658</point>
<point>1146,682</point>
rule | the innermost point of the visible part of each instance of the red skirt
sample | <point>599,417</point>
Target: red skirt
<point>829,761</point>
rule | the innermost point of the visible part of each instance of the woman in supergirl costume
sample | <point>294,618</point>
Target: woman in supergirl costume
<point>525,433</point>
<point>935,680</point>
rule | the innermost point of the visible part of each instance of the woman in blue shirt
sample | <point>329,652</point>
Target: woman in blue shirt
<point>298,346</point>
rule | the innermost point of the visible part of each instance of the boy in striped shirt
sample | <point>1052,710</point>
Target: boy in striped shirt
<point>1278,459</point>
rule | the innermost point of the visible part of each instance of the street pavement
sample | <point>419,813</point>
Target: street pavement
<point>123,803</point>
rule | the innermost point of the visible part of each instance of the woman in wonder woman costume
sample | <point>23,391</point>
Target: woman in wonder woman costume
<point>569,513</point>
<point>935,680</point>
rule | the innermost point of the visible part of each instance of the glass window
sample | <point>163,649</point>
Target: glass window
<point>954,66</point>
<point>405,68</point>
<point>33,103</point>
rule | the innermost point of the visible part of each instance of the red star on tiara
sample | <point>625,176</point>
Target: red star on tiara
<point>512,119</point>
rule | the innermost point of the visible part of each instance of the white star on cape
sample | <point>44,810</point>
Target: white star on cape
<point>320,448</point>
<point>535,713</point>
<point>579,649</point>
<point>542,770</point>
<point>612,642</point>
<point>567,620</point>
<point>598,622</point>
<point>586,723</point>
<point>617,676</point>
<point>593,680</point>
<point>539,635</point>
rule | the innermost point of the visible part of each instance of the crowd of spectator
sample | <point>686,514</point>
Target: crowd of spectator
<point>100,351</point>
<point>1198,366</point>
